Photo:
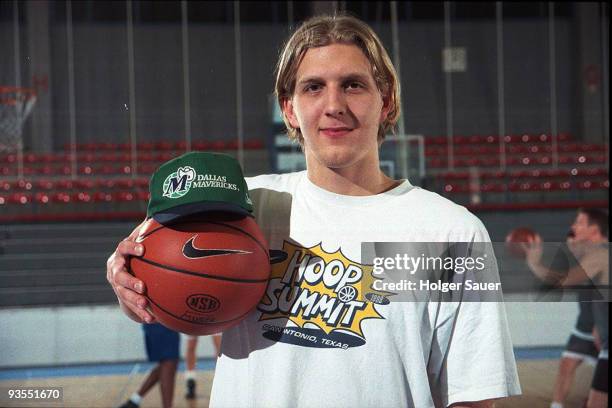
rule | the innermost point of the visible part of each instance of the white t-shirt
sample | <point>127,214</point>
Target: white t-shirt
<point>305,347</point>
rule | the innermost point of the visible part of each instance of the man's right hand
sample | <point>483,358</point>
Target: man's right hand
<point>129,289</point>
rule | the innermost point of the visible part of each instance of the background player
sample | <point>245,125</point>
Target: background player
<point>590,246</point>
<point>191,360</point>
<point>162,347</point>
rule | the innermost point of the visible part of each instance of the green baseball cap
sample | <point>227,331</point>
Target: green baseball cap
<point>198,182</point>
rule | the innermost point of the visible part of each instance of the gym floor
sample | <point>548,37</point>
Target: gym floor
<point>110,385</point>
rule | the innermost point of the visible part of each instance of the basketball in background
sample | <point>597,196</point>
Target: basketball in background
<point>203,275</point>
<point>516,237</point>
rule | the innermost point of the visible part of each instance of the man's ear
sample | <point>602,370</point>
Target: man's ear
<point>386,108</point>
<point>289,113</point>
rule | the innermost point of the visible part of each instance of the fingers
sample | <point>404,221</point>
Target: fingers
<point>122,278</point>
<point>129,247</point>
<point>129,289</point>
<point>137,304</point>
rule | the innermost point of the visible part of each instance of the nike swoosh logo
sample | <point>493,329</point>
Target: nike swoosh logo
<point>192,252</point>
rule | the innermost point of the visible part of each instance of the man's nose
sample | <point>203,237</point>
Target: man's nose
<point>336,102</point>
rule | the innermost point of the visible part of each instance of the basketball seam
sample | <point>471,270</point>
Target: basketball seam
<point>188,321</point>
<point>202,275</point>
<point>151,232</point>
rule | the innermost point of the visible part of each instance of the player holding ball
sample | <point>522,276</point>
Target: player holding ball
<point>588,241</point>
<point>315,340</point>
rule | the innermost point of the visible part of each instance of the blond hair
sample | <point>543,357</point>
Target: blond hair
<point>325,30</point>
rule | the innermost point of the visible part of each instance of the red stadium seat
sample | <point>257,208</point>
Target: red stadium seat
<point>60,197</point>
<point>492,139</point>
<point>164,157</point>
<point>107,184</point>
<point>145,156</point>
<point>142,182</point>
<point>45,185</point>
<point>19,198</point>
<point>64,184</point>
<point>147,168</point>
<point>489,161</point>
<point>564,137</point>
<point>201,145</point>
<point>477,139</point>
<point>145,146</point>
<point>124,169</point>
<point>24,185</point>
<point>9,158</point>
<point>544,138</point>
<point>457,175</point>
<point>42,198</point>
<point>86,170</point>
<point>493,188</point>
<point>543,160</point>
<point>107,169</point>
<point>45,170</point>
<point>82,197</point>
<point>142,195</point>
<point>124,196</point>
<point>125,183</point>
<point>102,197</point>
<point>512,138</point>
<point>456,188</point>
<point>84,184</point>
<point>459,140</point>
<point>164,145</point>
<point>497,174</point>
<point>253,144</point>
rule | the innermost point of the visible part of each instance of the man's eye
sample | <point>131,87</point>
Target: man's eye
<point>312,88</point>
<point>354,85</point>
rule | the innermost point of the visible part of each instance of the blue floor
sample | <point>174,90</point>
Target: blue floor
<point>93,369</point>
<point>531,353</point>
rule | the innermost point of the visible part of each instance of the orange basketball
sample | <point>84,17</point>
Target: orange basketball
<point>516,237</point>
<point>203,275</point>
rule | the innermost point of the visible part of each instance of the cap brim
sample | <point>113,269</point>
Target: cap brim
<point>186,210</point>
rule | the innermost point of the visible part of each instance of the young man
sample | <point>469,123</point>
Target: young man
<point>316,339</point>
<point>590,246</point>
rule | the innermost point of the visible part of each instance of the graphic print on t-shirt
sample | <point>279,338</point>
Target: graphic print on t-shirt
<point>319,299</point>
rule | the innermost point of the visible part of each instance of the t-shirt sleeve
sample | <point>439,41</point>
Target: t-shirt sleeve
<point>473,358</point>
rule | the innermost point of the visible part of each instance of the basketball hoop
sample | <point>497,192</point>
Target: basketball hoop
<point>15,106</point>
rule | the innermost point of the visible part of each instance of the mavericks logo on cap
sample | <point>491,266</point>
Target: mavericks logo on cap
<point>178,184</point>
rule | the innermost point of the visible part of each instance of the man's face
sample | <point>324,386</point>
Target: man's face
<point>337,107</point>
<point>582,230</point>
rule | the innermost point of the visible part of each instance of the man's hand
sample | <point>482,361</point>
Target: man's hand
<point>129,290</point>
<point>533,256</point>
<point>533,250</point>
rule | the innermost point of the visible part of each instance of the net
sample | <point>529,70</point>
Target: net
<point>15,106</point>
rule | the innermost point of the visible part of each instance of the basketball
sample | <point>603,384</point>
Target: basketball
<point>516,237</point>
<point>202,275</point>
